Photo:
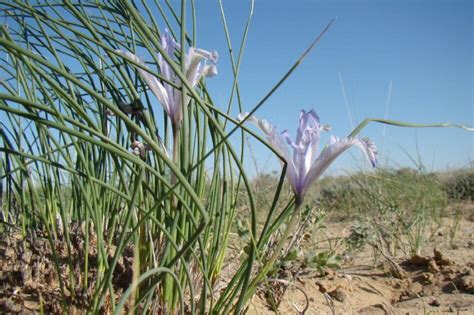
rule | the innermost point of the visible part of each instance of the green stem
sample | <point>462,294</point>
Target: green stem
<point>276,253</point>
<point>168,283</point>
<point>175,160</point>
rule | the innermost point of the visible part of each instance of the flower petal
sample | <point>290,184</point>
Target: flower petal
<point>156,87</point>
<point>169,45</point>
<point>277,141</point>
<point>309,127</point>
<point>298,162</point>
<point>193,60</point>
<point>306,144</point>
<point>369,148</point>
<point>211,56</point>
<point>335,148</point>
<point>264,125</point>
<point>209,71</point>
<point>194,69</point>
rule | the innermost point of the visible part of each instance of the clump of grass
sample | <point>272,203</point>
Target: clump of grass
<point>459,185</point>
<point>393,202</point>
<point>84,142</point>
<point>361,234</point>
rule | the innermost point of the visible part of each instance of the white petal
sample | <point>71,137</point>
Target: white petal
<point>195,70</point>
<point>369,148</point>
<point>193,60</point>
<point>156,87</point>
<point>264,125</point>
<point>209,71</point>
<point>278,143</point>
<point>169,45</point>
<point>298,161</point>
<point>242,116</point>
<point>335,148</point>
<point>211,56</point>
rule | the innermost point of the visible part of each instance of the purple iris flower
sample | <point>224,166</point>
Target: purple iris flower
<point>307,164</point>
<point>196,67</point>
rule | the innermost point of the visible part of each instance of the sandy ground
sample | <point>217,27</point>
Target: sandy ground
<point>436,282</point>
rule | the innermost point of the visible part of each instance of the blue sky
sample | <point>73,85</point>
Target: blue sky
<point>423,48</point>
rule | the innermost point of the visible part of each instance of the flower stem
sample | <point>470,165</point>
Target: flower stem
<point>276,253</point>
<point>175,160</point>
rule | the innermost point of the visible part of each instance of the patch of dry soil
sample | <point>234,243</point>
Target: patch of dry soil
<point>438,282</point>
<point>28,277</point>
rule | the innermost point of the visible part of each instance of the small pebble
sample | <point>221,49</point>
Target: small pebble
<point>338,295</point>
<point>435,303</point>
